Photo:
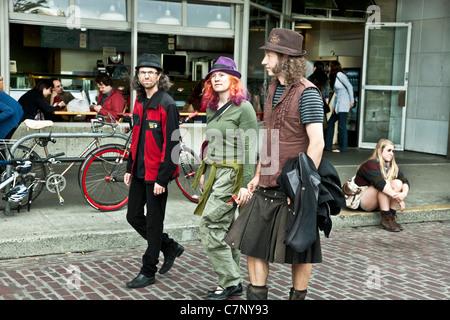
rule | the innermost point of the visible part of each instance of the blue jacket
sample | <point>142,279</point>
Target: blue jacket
<point>10,114</point>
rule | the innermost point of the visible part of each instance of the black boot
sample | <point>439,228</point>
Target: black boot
<point>297,294</point>
<point>170,255</point>
<point>257,293</point>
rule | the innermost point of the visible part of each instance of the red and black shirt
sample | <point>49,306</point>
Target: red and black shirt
<point>155,143</point>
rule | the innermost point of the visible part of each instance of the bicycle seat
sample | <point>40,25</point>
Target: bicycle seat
<point>37,124</point>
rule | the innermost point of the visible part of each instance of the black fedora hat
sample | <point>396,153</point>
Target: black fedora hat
<point>149,60</point>
<point>285,41</point>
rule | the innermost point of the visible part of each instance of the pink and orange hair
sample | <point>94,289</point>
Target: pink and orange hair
<point>210,98</point>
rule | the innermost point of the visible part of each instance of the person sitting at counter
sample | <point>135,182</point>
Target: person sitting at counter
<point>59,98</point>
<point>109,99</point>
<point>33,104</point>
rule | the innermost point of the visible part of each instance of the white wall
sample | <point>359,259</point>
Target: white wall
<point>83,60</point>
<point>428,107</point>
<point>343,38</point>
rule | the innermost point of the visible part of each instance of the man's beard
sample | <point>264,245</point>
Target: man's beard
<point>277,69</point>
<point>149,85</point>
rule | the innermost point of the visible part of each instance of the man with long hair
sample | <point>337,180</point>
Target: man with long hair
<point>293,123</point>
<point>152,163</point>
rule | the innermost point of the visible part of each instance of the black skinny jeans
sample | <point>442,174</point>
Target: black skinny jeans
<point>149,226</point>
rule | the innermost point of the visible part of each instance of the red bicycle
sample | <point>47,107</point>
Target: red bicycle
<point>101,174</point>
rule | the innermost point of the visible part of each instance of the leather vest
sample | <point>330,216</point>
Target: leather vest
<point>284,133</point>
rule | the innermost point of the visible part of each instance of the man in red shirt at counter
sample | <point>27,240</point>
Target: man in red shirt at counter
<point>109,99</point>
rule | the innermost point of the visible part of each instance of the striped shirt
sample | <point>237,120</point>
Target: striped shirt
<point>310,106</point>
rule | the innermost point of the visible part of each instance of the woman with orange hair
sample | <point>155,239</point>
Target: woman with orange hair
<point>227,168</point>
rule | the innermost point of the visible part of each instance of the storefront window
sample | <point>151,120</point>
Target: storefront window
<point>211,16</point>
<point>159,12</point>
<point>44,7</point>
<point>104,10</point>
<point>261,23</point>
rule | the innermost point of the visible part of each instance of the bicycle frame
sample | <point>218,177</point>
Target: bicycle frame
<point>8,180</point>
<point>12,179</point>
<point>81,157</point>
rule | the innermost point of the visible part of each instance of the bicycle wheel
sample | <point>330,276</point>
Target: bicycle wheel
<point>37,174</point>
<point>114,145</point>
<point>102,178</point>
<point>188,163</point>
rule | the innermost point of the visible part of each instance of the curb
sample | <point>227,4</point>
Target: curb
<point>85,241</point>
<point>354,218</point>
<point>95,240</point>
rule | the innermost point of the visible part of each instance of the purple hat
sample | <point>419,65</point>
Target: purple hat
<point>224,64</point>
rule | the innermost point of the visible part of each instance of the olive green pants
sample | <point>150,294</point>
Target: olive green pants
<point>217,217</point>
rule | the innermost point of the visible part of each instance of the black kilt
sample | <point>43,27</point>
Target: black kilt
<point>260,230</point>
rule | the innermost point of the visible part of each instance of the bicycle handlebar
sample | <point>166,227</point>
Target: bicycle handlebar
<point>104,118</point>
<point>189,117</point>
<point>127,117</point>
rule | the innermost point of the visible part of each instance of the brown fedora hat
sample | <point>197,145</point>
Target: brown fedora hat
<point>285,41</point>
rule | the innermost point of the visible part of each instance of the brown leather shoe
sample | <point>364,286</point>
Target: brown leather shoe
<point>387,222</point>
<point>395,223</point>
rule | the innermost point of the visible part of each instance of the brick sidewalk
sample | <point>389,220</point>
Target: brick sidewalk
<point>365,263</point>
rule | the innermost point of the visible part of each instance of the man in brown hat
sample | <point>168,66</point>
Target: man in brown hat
<point>293,120</point>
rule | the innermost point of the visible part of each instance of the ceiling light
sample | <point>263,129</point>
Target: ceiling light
<point>303,25</point>
<point>218,23</point>
<point>112,15</point>
<point>167,19</point>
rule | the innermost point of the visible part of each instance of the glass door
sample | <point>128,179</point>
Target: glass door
<point>384,84</point>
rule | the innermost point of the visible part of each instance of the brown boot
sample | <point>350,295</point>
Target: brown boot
<point>386,222</point>
<point>394,215</point>
<point>257,293</point>
<point>297,294</point>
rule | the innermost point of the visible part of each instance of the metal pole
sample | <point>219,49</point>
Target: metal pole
<point>237,36</point>
<point>4,45</point>
<point>134,48</point>
<point>244,42</point>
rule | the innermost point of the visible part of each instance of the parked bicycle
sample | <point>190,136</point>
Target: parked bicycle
<point>45,172</point>
<point>101,172</point>
<point>22,180</point>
